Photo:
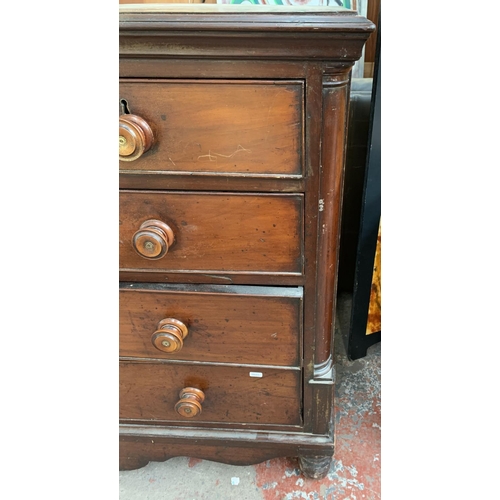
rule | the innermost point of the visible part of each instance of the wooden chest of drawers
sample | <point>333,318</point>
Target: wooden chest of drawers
<point>232,138</point>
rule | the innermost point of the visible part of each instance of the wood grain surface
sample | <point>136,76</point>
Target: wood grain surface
<point>217,231</point>
<point>248,127</point>
<point>223,327</point>
<point>150,391</point>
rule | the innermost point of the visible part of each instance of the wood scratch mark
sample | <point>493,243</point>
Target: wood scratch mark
<point>213,156</point>
<point>172,161</point>
<point>132,323</point>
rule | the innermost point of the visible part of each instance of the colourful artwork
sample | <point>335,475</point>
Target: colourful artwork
<point>348,4</point>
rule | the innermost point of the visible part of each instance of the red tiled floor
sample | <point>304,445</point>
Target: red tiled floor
<point>355,471</point>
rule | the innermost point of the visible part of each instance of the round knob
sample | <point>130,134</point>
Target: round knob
<point>153,239</point>
<point>190,403</point>
<point>169,335</point>
<point>136,137</point>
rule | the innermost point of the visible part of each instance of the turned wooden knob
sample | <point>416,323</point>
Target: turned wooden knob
<point>153,239</point>
<point>136,137</point>
<point>169,335</point>
<point>190,403</point>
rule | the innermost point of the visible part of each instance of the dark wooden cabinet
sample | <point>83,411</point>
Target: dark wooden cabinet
<point>232,140</point>
<point>360,246</point>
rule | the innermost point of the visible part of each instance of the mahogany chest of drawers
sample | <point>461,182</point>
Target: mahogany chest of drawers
<point>232,138</point>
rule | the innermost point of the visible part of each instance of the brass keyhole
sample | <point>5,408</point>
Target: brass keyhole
<point>124,107</point>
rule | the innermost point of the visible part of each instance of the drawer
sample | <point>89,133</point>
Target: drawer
<point>219,127</point>
<point>260,233</point>
<point>234,324</point>
<point>150,392</point>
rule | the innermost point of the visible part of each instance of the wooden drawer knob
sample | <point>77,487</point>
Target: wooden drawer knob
<point>190,403</point>
<point>169,335</point>
<point>136,137</point>
<point>153,239</point>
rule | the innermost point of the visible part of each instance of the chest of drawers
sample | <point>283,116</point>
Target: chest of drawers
<point>232,138</point>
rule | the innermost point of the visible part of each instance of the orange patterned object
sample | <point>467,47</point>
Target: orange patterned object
<point>374,323</point>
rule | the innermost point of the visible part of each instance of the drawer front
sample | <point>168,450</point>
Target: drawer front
<point>260,233</point>
<point>223,324</point>
<point>149,392</point>
<point>233,127</point>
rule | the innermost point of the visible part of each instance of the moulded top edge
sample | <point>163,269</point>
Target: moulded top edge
<point>240,17</point>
